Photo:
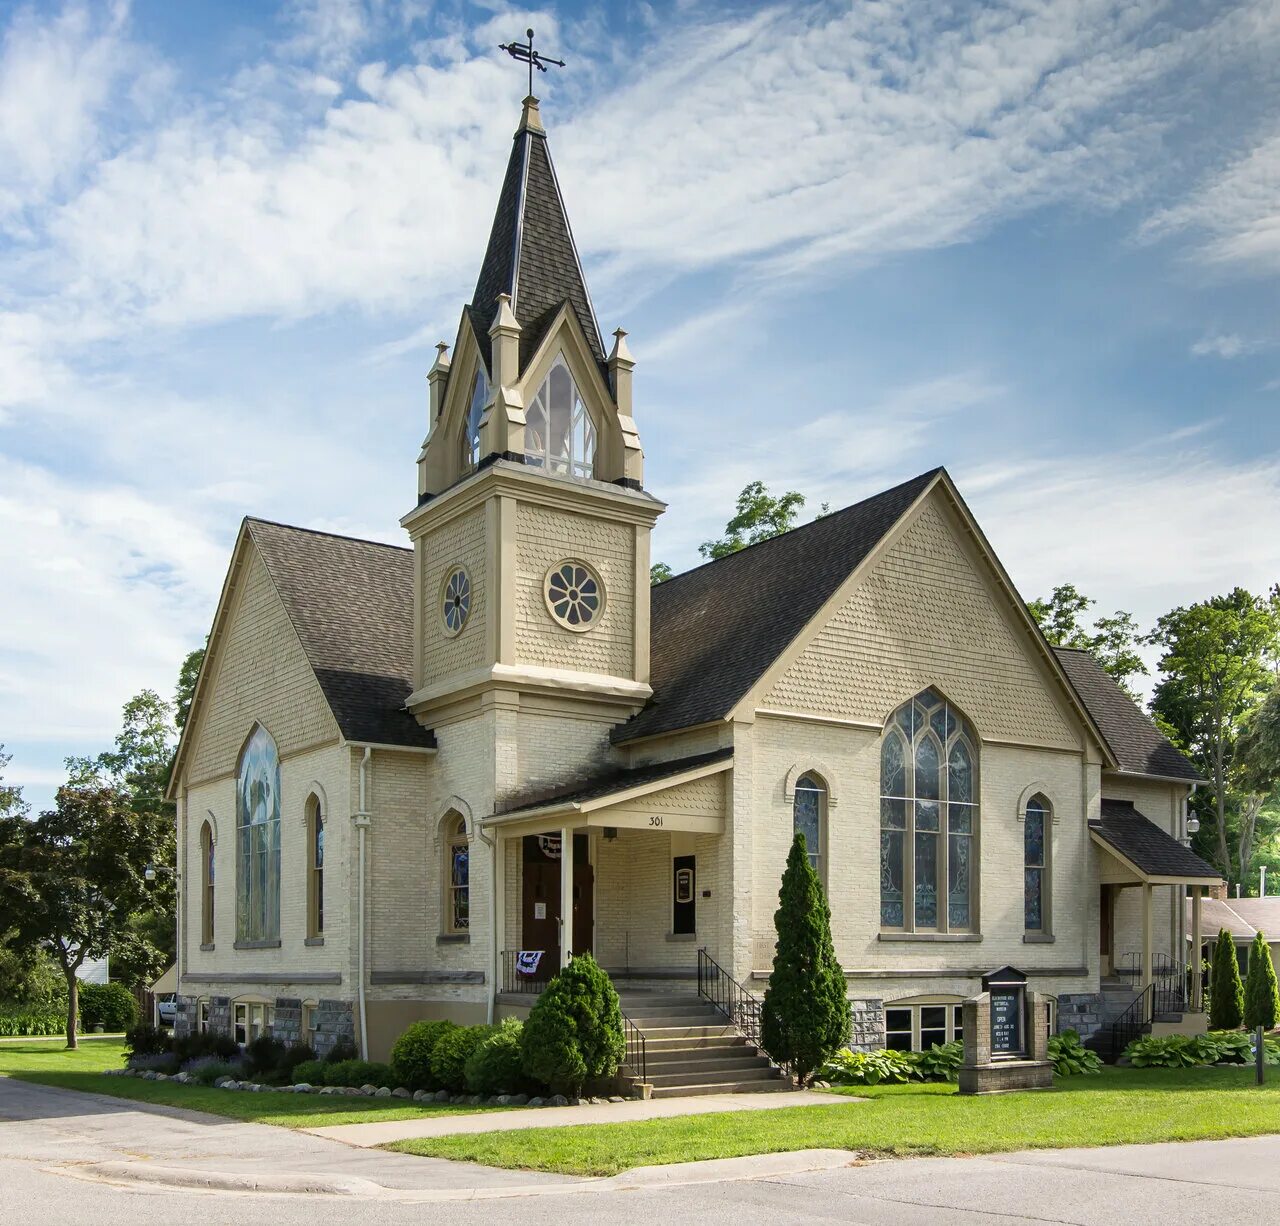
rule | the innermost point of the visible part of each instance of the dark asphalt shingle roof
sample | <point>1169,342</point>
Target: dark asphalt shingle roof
<point>1216,915</point>
<point>1137,744</point>
<point>716,629</point>
<point>1145,845</point>
<point>351,603</point>
<point>531,255</point>
<point>610,781</point>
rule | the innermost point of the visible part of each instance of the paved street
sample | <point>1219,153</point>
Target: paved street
<point>77,1158</point>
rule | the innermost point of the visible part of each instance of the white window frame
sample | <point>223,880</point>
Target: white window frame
<point>953,1021</point>
<point>252,1019</point>
<point>582,428</point>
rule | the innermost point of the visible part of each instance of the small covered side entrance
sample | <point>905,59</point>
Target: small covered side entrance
<point>541,858</point>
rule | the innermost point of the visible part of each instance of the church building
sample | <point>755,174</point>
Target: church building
<point>416,780</point>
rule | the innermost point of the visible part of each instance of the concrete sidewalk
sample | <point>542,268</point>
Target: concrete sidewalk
<point>367,1135</point>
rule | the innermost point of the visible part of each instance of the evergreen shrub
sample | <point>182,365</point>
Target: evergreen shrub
<point>411,1055</point>
<point>264,1055</point>
<point>574,1032</point>
<point>805,1018</point>
<point>496,1065</point>
<point>144,1040</point>
<point>343,1049</point>
<point>358,1073</point>
<point>311,1072</point>
<point>452,1051</point>
<point>294,1055</point>
<point>1261,998</point>
<point>1226,992</point>
<point>109,1005</point>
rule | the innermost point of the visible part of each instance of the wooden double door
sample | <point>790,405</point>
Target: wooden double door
<point>540,925</point>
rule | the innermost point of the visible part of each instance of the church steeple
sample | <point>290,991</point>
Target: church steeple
<point>531,254</point>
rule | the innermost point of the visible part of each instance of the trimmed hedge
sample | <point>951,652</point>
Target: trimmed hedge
<point>109,1005</point>
<point>496,1064</point>
<point>452,1051</point>
<point>411,1055</point>
<point>358,1073</point>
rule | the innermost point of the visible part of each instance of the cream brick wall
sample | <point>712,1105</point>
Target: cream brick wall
<point>553,749</point>
<point>323,771</point>
<point>261,674</point>
<point>546,536</point>
<point>928,614</point>
<point>458,542</point>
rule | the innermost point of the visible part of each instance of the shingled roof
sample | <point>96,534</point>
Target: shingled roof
<point>351,603</point>
<point>1148,848</point>
<point>716,629</point>
<point>1136,743</point>
<point>531,253</point>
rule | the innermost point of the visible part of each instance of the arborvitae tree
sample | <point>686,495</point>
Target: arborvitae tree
<point>1261,997</point>
<point>1226,992</point>
<point>805,1019</point>
<point>574,1032</point>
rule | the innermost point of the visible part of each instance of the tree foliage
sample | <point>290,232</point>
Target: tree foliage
<point>805,1019</point>
<point>1113,641</point>
<point>759,517</point>
<point>1217,665</point>
<point>73,878</point>
<point>1261,996</point>
<point>1226,992</point>
<point>188,675</point>
<point>659,572</point>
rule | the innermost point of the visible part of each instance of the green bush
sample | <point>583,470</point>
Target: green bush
<point>144,1040</point>
<point>1261,997</point>
<point>343,1049</point>
<point>452,1051</point>
<point>940,1063</point>
<point>294,1055</point>
<point>805,1017</point>
<point>1226,992</point>
<point>17,1020</point>
<point>1165,1051</point>
<point>411,1055</point>
<point>574,1031</point>
<point>358,1073</point>
<point>311,1072</point>
<point>1070,1057</point>
<point>198,1046</point>
<point>870,1068</point>
<point>109,1005</point>
<point>207,1069</point>
<point>30,979</point>
<point>496,1065</point>
<point>264,1055</point>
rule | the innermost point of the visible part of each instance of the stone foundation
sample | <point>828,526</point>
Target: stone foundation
<point>287,1021</point>
<point>186,1017</point>
<point>867,1031</point>
<point>1081,1012</point>
<point>334,1021</point>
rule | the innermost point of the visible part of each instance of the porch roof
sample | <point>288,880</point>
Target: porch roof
<point>613,787</point>
<point>1149,852</point>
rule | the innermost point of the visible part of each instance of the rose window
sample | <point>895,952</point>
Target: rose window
<point>575,595</point>
<point>457,601</point>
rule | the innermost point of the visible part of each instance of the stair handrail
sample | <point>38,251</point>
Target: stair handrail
<point>1132,1023</point>
<point>634,1057</point>
<point>727,995</point>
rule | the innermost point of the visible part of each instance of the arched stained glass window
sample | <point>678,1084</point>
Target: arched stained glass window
<point>1035,858</point>
<point>928,817</point>
<point>559,435</point>
<point>315,869</point>
<point>808,817</point>
<point>475,411</point>
<point>457,878</point>
<point>206,884</point>
<point>258,840</point>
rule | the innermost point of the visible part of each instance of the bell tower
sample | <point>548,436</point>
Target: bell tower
<point>531,530</point>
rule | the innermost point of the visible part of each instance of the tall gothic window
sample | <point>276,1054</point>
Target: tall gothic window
<point>928,817</point>
<point>471,443</point>
<point>315,869</point>
<point>558,434</point>
<point>1035,859</point>
<point>457,900</point>
<point>206,884</point>
<point>258,840</point>
<point>808,814</point>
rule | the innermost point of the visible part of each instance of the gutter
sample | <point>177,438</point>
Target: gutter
<point>362,820</point>
<point>495,953</point>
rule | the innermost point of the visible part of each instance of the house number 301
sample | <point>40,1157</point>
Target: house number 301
<point>655,821</point>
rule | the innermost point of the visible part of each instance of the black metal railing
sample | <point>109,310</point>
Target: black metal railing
<point>524,982</point>
<point>635,1057</point>
<point>717,986</point>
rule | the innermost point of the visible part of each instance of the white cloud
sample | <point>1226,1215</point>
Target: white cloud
<point>1221,345</point>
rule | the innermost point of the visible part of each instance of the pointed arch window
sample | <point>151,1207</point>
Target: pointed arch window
<point>457,885</point>
<point>206,884</point>
<point>1035,860</point>
<point>559,434</point>
<point>315,868</point>
<point>808,814</point>
<point>258,841</point>
<point>475,411</point>
<point>928,818</point>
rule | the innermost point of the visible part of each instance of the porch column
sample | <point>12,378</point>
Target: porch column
<point>1197,980</point>
<point>566,895</point>
<point>499,887</point>
<point>1146,933</point>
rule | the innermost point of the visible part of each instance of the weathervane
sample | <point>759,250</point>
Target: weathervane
<point>527,55</point>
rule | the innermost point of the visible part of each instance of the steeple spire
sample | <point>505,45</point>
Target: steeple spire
<point>531,254</point>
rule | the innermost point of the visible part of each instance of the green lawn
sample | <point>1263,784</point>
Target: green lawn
<point>1121,1106</point>
<point>51,1064</point>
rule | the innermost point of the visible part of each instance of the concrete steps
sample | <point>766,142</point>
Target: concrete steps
<point>691,1049</point>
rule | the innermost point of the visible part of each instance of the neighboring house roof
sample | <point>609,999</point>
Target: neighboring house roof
<point>531,254</point>
<point>1261,914</point>
<point>1138,745</point>
<point>1149,849</point>
<point>1216,915</point>
<point>610,783</point>
<point>351,603</point>
<point>716,629</point>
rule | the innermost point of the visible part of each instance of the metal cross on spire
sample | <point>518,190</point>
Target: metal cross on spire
<point>527,55</point>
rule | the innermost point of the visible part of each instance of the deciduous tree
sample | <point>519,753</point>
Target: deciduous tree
<point>759,516</point>
<point>1113,641</point>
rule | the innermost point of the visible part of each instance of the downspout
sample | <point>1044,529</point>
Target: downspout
<point>361,819</point>
<point>495,968</point>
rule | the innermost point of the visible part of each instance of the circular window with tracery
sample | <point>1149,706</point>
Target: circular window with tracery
<point>575,595</point>
<point>456,602</point>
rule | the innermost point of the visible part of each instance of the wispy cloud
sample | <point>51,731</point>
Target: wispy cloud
<point>1226,345</point>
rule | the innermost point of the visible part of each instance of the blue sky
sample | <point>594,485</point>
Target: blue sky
<point>1038,242</point>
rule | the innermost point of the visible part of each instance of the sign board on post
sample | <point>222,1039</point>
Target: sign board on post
<point>1008,991</point>
<point>1005,1037</point>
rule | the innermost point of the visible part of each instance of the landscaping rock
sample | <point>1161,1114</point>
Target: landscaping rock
<point>616,1098</point>
<point>501,1100</point>
<point>303,1087</point>
<point>400,1092</point>
<point>536,1102</point>
<point>517,1100</point>
<point>441,1096</point>
<point>382,1092</point>
<point>368,1089</point>
<point>419,1095</point>
<point>557,1100</point>
<point>458,1098</point>
<point>475,1100</point>
<point>330,1090</point>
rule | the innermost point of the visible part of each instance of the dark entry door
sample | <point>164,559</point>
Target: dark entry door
<point>1106,923</point>
<point>541,904</point>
